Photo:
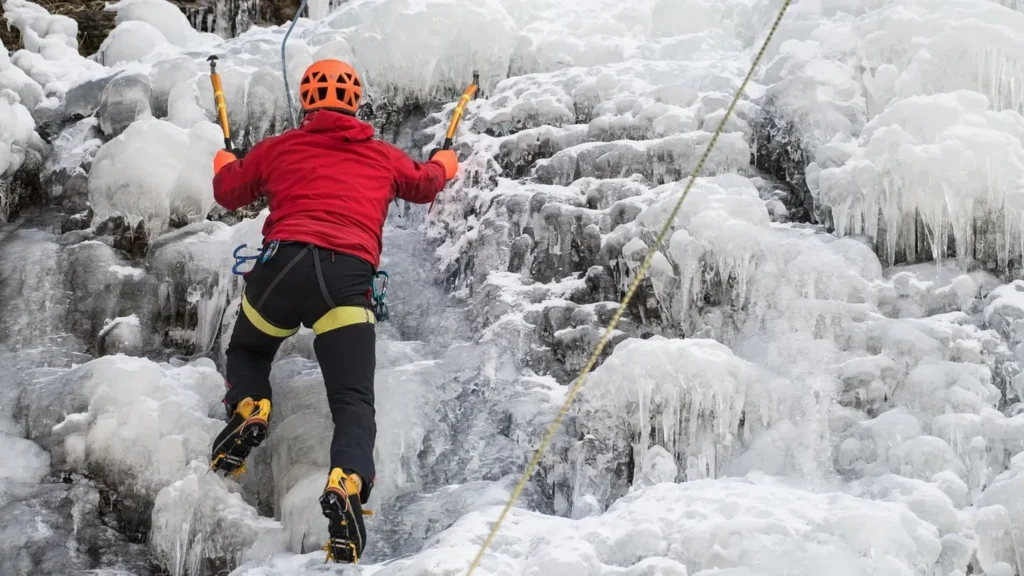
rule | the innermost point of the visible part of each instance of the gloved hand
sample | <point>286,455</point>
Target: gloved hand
<point>449,159</point>
<point>222,159</point>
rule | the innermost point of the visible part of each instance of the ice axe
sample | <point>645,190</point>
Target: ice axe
<point>460,109</point>
<point>468,94</point>
<point>218,98</point>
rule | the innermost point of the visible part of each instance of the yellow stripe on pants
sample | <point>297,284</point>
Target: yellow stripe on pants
<point>343,316</point>
<point>262,323</point>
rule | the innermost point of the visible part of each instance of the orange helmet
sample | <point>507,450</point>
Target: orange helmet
<point>332,85</point>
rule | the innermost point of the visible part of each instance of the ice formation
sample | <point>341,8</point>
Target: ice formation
<point>778,399</point>
<point>18,133</point>
<point>50,57</point>
<point>935,165</point>
<point>123,183</point>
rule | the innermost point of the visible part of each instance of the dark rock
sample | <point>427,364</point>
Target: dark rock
<point>75,193</point>
<point>567,245</point>
<point>83,100</point>
<point>24,189</point>
<point>94,25</point>
<point>134,242</point>
<point>47,402</point>
<point>65,174</point>
<point>219,214</point>
<point>112,226</point>
<point>232,217</point>
<point>519,253</point>
<point>79,221</point>
<point>73,532</point>
<point>778,151</point>
<point>120,337</point>
<point>600,286</point>
<point>10,36</point>
<point>94,287</point>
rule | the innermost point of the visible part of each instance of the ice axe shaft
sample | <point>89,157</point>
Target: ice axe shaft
<point>218,98</point>
<point>460,110</point>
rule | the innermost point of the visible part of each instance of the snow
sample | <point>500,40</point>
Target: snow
<point>162,15</point>
<point>17,133</point>
<point>50,56</point>
<point>439,60</point>
<point>19,95</point>
<point>691,528</point>
<point>778,398</point>
<point>689,407</point>
<point>26,461</point>
<point>131,41</point>
<point>127,271</point>
<point>954,88</point>
<point>13,78</point>
<point>42,31</point>
<point>966,161</point>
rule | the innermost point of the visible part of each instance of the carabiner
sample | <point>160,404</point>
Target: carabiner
<point>268,251</point>
<point>239,260</point>
<point>380,309</point>
<point>383,285</point>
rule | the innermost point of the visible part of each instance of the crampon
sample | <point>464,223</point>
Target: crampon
<point>246,430</point>
<point>344,513</point>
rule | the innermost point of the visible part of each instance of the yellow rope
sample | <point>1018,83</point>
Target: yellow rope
<point>578,385</point>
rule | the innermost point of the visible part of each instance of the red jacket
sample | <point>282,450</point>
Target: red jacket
<point>328,183</point>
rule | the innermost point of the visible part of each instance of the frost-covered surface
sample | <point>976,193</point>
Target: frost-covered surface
<point>122,181</point>
<point>19,141</point>
<point>929,105</point>
<point>18,133</point>
<point>777,399</point>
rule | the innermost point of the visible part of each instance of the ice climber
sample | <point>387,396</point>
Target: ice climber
<point>329,184</point>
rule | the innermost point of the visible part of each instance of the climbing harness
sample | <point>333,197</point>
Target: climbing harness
<point>470,93</point>
<point>218,98</point>
<point>378,284</point>
<point>641,272</point>
<point>265,253</point>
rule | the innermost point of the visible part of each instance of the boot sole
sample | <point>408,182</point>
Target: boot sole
<point>340,547</point>
<point>252,434</point>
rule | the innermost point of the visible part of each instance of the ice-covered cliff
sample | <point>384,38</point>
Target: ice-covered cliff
<point>821,373</point>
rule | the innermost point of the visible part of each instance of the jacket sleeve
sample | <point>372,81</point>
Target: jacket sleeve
<point>416,182</point>
<point>240,182</point>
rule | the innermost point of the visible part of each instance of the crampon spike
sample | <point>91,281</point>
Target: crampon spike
<point>340,551</point>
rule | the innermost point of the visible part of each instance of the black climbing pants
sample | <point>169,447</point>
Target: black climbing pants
<point>330,293</point>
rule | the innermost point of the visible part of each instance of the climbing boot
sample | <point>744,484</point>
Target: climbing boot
<point>246,429</point>
<point>344,512</point>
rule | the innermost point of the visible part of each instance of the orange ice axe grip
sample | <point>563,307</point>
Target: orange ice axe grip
<point>460,110</point>
<point>218,98</point>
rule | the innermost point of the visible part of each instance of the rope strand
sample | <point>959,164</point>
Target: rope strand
<point>592,361</point>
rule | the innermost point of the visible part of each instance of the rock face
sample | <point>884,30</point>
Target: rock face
<point>10,37</point>
<point>94,24</point>
<point>23,189</point>
<point>59,545</point>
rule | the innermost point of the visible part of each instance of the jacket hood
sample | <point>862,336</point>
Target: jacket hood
<point>337,125</point>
